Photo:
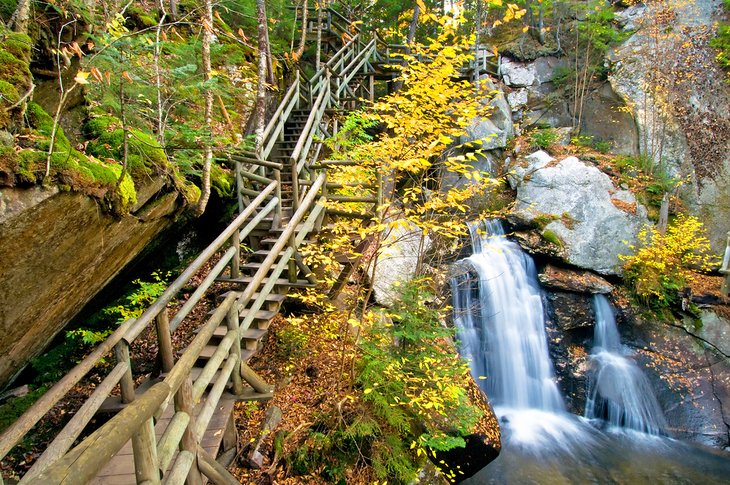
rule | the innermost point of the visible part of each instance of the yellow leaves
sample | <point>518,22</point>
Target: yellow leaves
<point>662,264</point>
<point>82,77</point>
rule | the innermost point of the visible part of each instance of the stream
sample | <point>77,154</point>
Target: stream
<point>500,318</point>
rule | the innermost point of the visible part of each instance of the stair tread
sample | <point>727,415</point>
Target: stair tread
<point>249,333</point>
<point>209,350</point>
<point>279,282</point>
<point>259,315</point>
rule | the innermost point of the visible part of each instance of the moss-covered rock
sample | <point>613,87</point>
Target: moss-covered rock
<point>138,18</point>
<point>69,168</point>
<point>15,77</point>
<point>222,181</point>
<point>106,142</point>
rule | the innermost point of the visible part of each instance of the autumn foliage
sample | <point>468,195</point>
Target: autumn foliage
<point>664,264</point>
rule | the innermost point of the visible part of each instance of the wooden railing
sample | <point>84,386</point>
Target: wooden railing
<point>128,332</point>
<point>155,458</point>
<point>177,456</point>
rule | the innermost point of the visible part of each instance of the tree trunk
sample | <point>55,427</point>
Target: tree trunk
<point>21,16</point>
<point>158,75</point>
<point>414,24</point>
<point>318,55</point>
<point>303,39</point>
<point>207,39</point>
<point>262,67</point>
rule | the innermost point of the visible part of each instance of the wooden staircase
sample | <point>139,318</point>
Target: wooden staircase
<point>172,427</point>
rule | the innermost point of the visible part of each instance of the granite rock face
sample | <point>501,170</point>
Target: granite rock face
<point>580,206</point>
<point>58,249</point>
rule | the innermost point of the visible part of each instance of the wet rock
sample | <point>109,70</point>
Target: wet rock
<point>466,462</point>
<point>569,328</point>
<point>570,310</point>
<point>690,377</point>
<point>534,243</point>
<point>565,279</point>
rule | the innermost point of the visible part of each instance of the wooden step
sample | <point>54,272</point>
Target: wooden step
<point>113,404</point>
<point>279,282</point>
<point>270,241</point>
<point>260,315</point>
<point>209,350</point>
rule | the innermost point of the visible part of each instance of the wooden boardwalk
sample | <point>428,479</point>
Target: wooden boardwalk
<point>220,436</point>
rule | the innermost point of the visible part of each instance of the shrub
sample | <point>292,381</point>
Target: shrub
<point>414,385</point>
<point>662,265</point>
<point>543,138</point>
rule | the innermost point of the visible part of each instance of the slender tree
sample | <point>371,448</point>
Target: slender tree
<point>262,68</point>
<point>208,94</point>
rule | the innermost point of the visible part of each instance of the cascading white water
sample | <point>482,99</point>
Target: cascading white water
<point>501,326</point>
<point>511,312</point>
<point>618,390</point>
<point>500,323</point>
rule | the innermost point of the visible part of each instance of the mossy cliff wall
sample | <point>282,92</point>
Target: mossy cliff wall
<point>57,250</point>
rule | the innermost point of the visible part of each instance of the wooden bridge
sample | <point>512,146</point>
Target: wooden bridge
<point>171,429</point>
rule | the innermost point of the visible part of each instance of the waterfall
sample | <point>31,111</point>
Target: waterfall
<point>618,390</point>
<point>508,308</point>
<point>500,318</point>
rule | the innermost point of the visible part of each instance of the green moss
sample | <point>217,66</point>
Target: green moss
<point>542,220</point>
<point>552,237</point>
<point>107,138</point>
<point>8,97</point>
<point>222,181</point>
<point>190,191</point>
<point>8,93</point>
<point>126,193</point>
<point>13,70</point>
<point>13,409</point>
<point>140,18</point>
<point>16,44</point>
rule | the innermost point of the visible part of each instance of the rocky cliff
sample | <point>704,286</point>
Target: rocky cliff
<point>58,249</point>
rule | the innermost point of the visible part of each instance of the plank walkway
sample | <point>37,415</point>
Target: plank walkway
<point>120,469</point>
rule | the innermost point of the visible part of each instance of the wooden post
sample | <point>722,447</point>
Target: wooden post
<point>277,215</point>
<point>321,218</point>
<point>233,324</point>
<point>725,289</point>
<point>126,383</point>
<point>216,472</point>
<point>294,185</point>
<point>162,323</point>
<point>253,379</point>
<point>144,446</point>
<point>292,262</point>
<point>184,403</point>
<point>236,261</point>
<point>239,186</point>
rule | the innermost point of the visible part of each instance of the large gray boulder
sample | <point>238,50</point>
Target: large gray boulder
<point>495,130</point>
<point>591,216</point>
<point>402,245</point>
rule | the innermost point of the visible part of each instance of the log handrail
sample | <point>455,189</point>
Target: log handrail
<point>83,463</point>
<point>62,464</point>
